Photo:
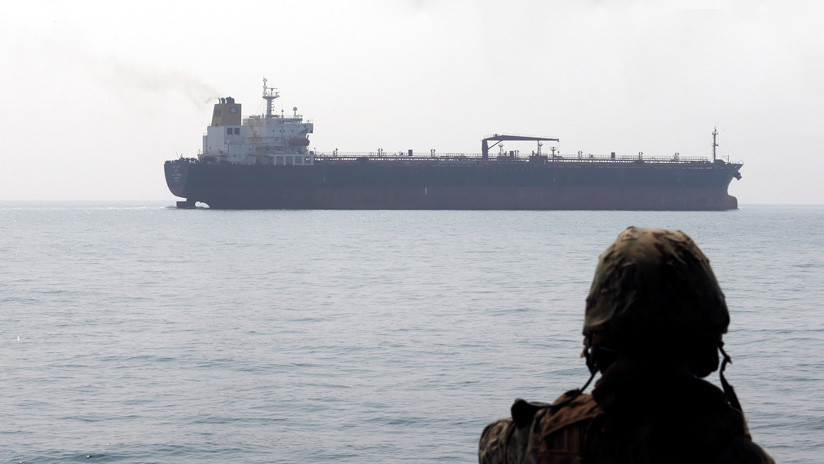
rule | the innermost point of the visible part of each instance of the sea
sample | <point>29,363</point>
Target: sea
<point>136,332</point>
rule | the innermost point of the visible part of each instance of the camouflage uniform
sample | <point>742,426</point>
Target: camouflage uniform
<point>657,314</point>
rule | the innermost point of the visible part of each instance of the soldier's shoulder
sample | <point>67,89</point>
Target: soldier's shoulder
<point>570,407</point>
<point>576,408</point>
<point>542,428</point>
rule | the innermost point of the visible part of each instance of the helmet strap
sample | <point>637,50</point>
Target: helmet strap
<point>729,391</point>
<point>591,364</point>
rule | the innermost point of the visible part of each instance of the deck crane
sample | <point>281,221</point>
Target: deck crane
<point>498,138</point>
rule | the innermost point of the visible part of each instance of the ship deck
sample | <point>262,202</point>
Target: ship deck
<point>475,159</point>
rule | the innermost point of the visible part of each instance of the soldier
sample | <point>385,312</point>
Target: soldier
<point>654,320</point>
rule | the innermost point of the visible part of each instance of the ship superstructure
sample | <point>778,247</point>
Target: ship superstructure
<point>268,139</point>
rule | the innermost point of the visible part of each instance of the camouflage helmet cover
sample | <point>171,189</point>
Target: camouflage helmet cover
<point>654,282</point>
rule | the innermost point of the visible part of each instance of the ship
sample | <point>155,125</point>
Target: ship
<point>264,162</point>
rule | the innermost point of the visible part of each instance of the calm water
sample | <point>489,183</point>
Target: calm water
<point>142,333</point>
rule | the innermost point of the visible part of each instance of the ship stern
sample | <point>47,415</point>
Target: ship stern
<point>177,173</point>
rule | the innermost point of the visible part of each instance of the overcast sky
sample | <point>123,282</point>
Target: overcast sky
<point>97,95</point>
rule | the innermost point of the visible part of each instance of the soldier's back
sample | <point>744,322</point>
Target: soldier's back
<point>637,424</point>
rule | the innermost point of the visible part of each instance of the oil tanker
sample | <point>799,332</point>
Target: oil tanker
<point>264,162</point>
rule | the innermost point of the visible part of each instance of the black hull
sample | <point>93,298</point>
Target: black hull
<point>475,185</point>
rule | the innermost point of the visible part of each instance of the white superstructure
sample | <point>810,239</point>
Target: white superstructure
<point>259,139</point>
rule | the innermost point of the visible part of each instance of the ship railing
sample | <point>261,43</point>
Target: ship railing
<point>505,158</point>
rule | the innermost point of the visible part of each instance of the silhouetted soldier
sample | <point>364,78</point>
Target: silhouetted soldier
<point>654,320</point>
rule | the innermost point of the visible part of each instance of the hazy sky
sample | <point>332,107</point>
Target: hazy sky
<point>97,95</point>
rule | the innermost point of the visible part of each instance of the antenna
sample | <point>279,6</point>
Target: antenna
<point>269,94</point>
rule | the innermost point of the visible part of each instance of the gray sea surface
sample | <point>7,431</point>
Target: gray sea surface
<point>136,332</point>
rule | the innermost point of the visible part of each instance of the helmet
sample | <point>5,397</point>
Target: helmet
<point>654,284</point>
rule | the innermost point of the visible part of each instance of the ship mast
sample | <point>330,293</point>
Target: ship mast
<point>269,94</point>
<point>714,134</point>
